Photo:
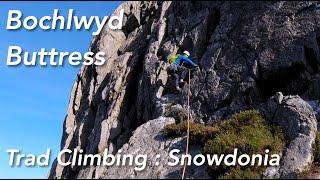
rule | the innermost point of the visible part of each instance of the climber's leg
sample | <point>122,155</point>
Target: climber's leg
<point>173,72</point>
<point>184,74</point>
<point>176,81</point>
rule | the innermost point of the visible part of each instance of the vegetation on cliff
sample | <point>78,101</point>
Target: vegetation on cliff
<point>247,130</point>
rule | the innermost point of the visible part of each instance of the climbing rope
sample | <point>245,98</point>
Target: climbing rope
<point>188,129</point>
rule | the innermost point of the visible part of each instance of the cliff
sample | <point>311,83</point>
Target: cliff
<point>261,55</point>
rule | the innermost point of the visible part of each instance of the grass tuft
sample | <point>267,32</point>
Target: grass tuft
<point>198,133</point>
<point>247,130</point>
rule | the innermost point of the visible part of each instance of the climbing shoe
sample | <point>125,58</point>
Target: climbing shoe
<point>178,89</point>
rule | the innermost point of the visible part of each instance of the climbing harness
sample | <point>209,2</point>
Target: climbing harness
<point>188,129</point>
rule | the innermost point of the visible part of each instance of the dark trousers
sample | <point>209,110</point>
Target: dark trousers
<point>175,70</point>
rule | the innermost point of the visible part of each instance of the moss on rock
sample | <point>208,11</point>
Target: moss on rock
<point>177,112</point>
<point>198,133</point>
<point>247,131</point>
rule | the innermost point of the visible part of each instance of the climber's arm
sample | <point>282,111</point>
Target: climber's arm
<point>189,61</point>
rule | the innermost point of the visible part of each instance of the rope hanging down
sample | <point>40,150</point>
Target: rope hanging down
<point>188,129</point>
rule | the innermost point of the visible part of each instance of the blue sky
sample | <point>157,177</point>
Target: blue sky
<point>33,100</point>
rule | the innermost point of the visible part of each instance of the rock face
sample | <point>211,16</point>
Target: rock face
<point>246,53</point>
<point>299,121</point>
<point>147,139</point>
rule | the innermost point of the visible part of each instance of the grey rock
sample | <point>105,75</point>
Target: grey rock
<point>271,173</point>
<point>246,53</point>
<point>316,107</point>
<point>298,120</point>
<point>148,140</point>
<point>279,97</point>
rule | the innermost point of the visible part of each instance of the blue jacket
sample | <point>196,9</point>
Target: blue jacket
<point>183,59</point>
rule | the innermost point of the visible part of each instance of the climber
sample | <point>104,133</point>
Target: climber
<point>180,64</point>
